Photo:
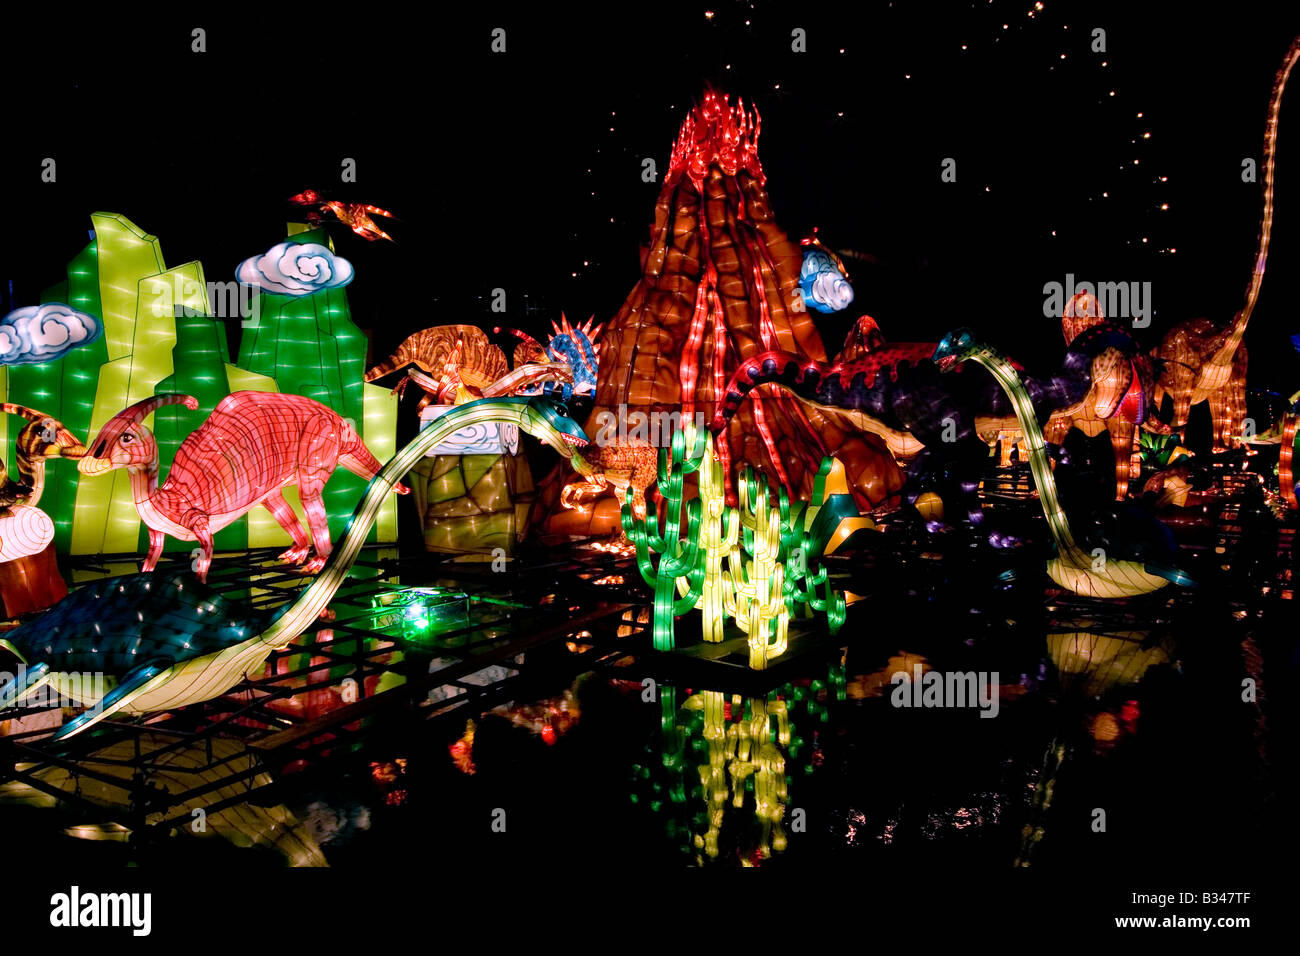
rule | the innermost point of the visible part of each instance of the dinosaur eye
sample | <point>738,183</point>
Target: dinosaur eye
<point>128,438</point>
<point>561,410</point>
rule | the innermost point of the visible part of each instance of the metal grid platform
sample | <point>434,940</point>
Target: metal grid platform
<point>350,678</point>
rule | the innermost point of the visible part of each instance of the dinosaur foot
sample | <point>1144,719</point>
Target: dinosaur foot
<point>314,565</point>
<point>295,555</point>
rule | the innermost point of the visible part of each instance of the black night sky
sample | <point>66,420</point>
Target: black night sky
<point>523,170</point>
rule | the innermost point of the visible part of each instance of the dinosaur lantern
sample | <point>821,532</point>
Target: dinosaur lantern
<point>895,392</point>
<point>170,640</point>
<point>1122,383</point>
<point>253,445</point>
<point>1201,361</point>
<point>29,575</point>
<point>628,464</point>
<point>1091,574</point>
<point>472,498</point>
<point>40,440</point>
<point>451,390</point>
<point>570,345</point>
<point>354,215</point>
<point>460,355</point>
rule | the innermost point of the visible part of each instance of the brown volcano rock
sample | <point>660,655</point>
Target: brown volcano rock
<point>720,283</point>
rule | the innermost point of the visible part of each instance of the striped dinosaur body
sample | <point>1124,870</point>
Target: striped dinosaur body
<point>454,354</point>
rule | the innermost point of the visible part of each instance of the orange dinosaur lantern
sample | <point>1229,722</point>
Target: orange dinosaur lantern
<point>1201,361</point>
<point>1117,401</point>
<point>456,354</point>
<point>354,215</point>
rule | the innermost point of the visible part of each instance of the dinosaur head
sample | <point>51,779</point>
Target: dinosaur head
<point>865,336</point>
<point>575,346</point>
<point>44,436</point>
<point>124,442</point>
<point>957,346</point>
<point>549,421</point>
<point>308,197</point>
<point>1109,358</point>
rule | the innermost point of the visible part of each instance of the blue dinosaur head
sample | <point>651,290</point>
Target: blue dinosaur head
<point>957,346</point>
<point>549,420</point>
<point>574,346</point>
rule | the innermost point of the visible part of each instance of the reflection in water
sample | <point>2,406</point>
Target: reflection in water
<point>211,772</point>
<point>1089,666</point>
<point>724,764</point>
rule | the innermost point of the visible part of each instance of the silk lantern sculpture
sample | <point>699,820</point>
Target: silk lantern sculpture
<point>253,445</point>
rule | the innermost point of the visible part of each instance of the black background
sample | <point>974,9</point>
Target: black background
<point>505,172</point>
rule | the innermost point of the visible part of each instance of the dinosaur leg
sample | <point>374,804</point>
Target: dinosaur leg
<point>314,505</point>
<point>1182,398</point>
<point>1234,393</point>
<point>1228,406</point>
<point>1122,434</point>
<point>156,539</point>
<point>197,522</point>
<point>283,514</point>
<point>644,477</point>
<point>1220,424</point>
<point>319,451</point>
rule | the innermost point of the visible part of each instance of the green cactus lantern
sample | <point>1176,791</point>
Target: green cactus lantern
<point>756,564</point>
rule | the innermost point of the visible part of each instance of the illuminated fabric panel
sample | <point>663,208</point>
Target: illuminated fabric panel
<point>494,438</point>
<point>64,388</point>
<point>379,429</point>
<point>472,503</point>
<point>310,346</point>
<point>126,255</point>
<point>138,297</point>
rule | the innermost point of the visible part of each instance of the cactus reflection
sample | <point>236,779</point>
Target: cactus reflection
<point>724,766</point>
